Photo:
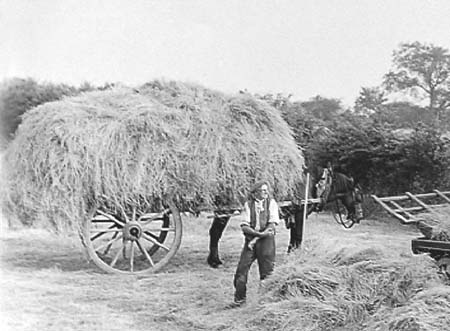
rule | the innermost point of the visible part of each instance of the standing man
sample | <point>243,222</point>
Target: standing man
<point>260,217</point>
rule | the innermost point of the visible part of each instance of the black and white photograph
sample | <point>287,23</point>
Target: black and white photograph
<point>224,165</point>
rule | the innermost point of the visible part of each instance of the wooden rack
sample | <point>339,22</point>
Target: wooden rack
<point>415,204</point>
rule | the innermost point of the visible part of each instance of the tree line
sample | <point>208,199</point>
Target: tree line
<point>388,146</point>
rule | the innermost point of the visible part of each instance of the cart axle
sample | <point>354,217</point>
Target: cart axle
<point>132,231</point>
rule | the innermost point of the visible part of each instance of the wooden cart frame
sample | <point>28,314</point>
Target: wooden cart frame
<point>139,244</point>
<point>127,242</point>
<point>438,250</point>
<point>405,207</point>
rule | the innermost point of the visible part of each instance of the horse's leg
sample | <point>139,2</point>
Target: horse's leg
<point>215,233</point>
<point>350,205</point>
<point>296,230</point>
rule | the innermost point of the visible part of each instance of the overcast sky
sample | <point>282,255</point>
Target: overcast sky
<point>306,47</point>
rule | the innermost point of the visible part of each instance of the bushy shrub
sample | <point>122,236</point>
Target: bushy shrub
<point>393,148</point>
<point>386,161</point>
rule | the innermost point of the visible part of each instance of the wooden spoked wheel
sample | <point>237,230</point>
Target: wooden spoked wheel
<point>133,244</point>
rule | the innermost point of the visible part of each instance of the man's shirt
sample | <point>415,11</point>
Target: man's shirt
<point>274,216</point>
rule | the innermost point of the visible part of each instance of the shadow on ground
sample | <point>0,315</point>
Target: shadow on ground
<point>28,251</point>
<point>41,253</point>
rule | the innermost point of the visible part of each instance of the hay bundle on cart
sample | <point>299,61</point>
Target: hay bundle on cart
<point>138,155</point>
<point>435,225</point>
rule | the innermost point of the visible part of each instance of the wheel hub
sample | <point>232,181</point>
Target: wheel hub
<point>132,231</point>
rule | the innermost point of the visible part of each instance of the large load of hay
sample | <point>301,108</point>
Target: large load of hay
<point>141,146</point>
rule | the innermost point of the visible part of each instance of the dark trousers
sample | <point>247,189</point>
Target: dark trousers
<point>296,235</point>
<point>264,253</point>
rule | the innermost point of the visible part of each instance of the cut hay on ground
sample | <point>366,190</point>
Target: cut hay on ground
<point>137,147</point>
<point>368,288</point>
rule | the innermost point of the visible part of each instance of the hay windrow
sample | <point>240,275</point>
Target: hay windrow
<point>136,147</point>
<point>365,288</point>
<point>427,311</point>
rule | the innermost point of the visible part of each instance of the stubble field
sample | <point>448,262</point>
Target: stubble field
<point>47,282</point>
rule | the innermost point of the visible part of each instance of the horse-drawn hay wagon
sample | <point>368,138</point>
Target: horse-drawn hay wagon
<point>118,166</point>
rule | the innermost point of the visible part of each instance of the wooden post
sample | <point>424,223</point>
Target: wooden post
<point>305,209</point>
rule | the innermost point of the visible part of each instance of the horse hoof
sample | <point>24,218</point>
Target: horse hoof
<point>214,263</point>
<point>292,248</point>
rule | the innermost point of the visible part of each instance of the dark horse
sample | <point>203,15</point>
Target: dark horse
<point>331,186</point>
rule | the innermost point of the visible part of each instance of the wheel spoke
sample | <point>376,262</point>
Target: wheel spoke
<point>156,242</point>
<point>116,257</point>
<point>132,257</point>
<point>162,229</point>
<point>112,229</point>
<point>166,229</point>
<point>114,239</point>
<point>154,236</point>
<point>100,233</point>
<point>109,246</point>
<point>124,250</point>
<point>143,251</point>
<point>111,218</point>
<point>134,214</point>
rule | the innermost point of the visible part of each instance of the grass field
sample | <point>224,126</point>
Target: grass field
<point>47,282</point>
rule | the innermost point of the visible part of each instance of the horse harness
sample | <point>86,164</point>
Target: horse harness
<point>329,177</point>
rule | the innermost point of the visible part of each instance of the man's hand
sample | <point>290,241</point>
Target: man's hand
<point>250,232</point>
<point>268,232</point>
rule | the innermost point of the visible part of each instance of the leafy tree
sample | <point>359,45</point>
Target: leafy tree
<point>402,115</point>
<point>370,100</point>
<point>278,101</point>
<point>323,108</point>
<point>302,122</point>
<point>383,161</point>
<point>424,69</point>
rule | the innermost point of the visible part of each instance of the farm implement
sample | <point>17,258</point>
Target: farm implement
<point>407,208</point>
